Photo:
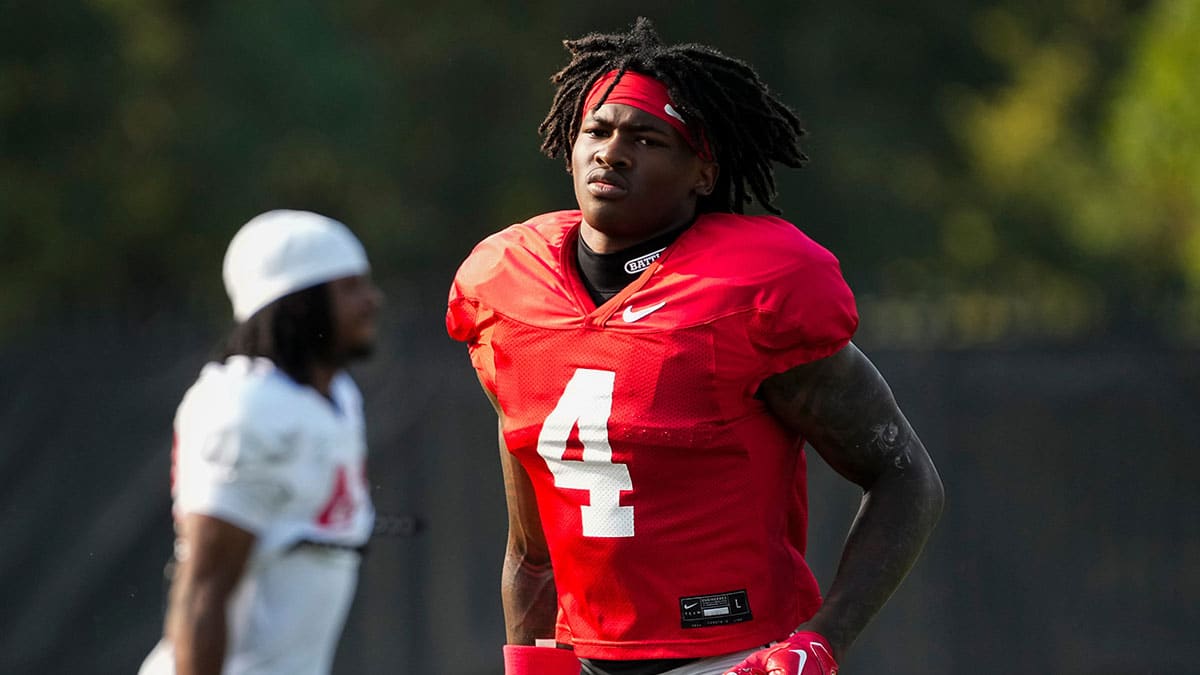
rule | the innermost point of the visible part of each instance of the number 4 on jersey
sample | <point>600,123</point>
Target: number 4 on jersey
<point>587,403</point>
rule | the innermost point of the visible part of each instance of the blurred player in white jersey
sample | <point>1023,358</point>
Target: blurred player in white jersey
<point>271,502</point>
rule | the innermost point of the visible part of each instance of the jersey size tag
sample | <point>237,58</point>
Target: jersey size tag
<point>716,609</point>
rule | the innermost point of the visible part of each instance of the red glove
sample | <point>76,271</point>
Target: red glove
<point>526,660</point>
<point>802,653</point>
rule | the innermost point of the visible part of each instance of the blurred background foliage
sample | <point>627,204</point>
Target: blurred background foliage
<point>988,172</point>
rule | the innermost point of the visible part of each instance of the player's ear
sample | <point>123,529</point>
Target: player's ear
<point>706,178</point>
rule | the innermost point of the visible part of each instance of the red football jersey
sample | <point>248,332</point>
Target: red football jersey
<point>673,502</point>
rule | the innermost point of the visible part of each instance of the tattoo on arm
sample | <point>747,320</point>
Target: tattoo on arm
<point>845,409</point>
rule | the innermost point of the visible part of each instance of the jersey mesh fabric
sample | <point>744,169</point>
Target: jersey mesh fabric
<point>710,486</point>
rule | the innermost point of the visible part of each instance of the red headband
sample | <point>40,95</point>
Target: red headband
<point>645,93</point>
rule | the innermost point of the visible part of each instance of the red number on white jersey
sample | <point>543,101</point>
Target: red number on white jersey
<point>340,507</point>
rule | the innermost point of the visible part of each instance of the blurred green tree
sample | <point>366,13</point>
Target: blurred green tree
<point>1080,181</point>
<point>985,170</point>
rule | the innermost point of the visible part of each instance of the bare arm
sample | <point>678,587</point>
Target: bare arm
<point>527,589</point>
<point>845,409</point>
<point>214,558</point>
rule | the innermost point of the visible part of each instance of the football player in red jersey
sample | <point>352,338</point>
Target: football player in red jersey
<point>657,361</point>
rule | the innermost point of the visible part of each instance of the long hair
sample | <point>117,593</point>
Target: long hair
<point>294,332</point>
<point>722,98</point>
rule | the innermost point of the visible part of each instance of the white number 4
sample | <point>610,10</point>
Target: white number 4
<point>587,402</point>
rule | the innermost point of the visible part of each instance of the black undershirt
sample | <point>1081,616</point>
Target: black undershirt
<point>644,667</point>
<point>604,275</point>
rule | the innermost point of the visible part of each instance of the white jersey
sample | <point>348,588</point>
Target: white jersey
<point>275,458</point>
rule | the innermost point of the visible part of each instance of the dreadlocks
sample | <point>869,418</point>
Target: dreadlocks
<point>722,98</point>
<point>294,332</point>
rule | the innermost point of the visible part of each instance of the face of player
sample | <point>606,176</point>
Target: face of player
<point>354,305</point>
<point>635,176</point>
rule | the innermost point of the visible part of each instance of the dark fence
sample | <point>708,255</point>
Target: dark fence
<point>1070,544</point>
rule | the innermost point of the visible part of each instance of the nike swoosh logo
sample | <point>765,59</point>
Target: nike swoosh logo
<point>686,606</point>
<point>630,314</point>
<point>803,659</point>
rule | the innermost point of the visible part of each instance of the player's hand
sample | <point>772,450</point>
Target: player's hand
<point>802,653</point>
